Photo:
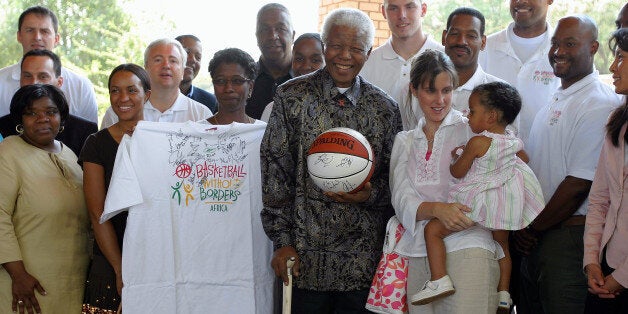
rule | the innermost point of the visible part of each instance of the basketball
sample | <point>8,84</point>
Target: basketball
<point>340,160</point>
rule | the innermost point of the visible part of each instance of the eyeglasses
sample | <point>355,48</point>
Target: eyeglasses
<point>47,113</point>
<point>235,81</point>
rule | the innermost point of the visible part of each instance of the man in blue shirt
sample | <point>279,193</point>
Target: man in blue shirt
<point>193,47</point>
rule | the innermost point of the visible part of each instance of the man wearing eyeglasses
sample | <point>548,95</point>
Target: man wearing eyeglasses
<point>274,38</point>
<point>164,60</point>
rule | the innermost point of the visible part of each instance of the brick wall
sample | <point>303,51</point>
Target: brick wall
<point>370,7</point>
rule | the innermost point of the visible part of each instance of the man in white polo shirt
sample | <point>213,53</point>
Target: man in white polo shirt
<point>564,147</point>
<point>518,55</point>
<point>38,29</point>
<point>164,60</point>
<point>388,66</point>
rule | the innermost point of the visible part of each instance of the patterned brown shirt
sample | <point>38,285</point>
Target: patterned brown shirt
<point>339,244</point>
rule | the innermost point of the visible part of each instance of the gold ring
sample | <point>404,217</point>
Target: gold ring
<point>20,302</point>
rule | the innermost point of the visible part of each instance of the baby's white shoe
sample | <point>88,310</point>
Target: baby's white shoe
<point>505,302</point>
<point>433,290</point>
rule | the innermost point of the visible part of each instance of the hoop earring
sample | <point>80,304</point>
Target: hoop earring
<point>19,129</point>
<point>61,129</point>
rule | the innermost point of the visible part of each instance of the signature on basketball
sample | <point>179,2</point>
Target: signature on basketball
<point>345,184</point>
<point>327,160</point>
<point>324,159</point>
<point>344,162</point>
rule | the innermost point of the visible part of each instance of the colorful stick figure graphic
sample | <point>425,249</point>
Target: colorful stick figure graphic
<point>188,190</point>
<point>176,192</point>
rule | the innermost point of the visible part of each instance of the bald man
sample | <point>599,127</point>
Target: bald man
<point>552,280</point>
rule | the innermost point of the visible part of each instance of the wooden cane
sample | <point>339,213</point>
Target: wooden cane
<point>287,289</point>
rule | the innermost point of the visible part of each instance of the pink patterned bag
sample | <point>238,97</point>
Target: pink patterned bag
<point>388,290</point>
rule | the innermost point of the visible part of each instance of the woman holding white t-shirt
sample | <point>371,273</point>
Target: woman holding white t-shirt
<point>420,183</point>
<point>233,73</point>
<point>129,89</point>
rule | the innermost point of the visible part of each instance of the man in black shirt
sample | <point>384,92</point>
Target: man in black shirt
<point>44,67</point>
<point>275,36</point>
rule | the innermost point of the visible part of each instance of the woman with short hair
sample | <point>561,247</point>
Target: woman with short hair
<point>43,219</point>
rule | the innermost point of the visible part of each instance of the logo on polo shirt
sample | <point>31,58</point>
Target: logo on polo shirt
<point>554,117</point>
<point>543,77</point>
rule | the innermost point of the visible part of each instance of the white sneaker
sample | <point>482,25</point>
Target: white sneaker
<point>433,290</point>
<point>505,302</point>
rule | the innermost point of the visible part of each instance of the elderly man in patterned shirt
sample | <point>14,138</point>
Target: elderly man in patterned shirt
<point>336,238</point>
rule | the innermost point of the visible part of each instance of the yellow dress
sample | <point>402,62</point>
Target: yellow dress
<point>44,223</point>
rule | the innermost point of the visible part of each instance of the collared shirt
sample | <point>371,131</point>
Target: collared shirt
<point>534,79</point>
<point>607,218</point>
<point>414,180</point>
<point>263,90</point>
<point>184,109</point>
<point>78,90</point>
<point>567,134</point>
<point>339,244</point>
<point>204,97</point>
<point>460,96</point>
<point>390,72</point>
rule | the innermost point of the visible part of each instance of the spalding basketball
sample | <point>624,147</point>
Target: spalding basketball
<point>340,160</point>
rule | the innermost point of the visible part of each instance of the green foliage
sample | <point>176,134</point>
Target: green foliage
<point>497,14</point>
<point>96,36</point>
